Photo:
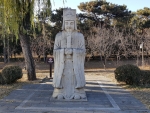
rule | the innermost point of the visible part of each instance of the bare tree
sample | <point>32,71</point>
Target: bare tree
<point>146,43</point>
<point>119,42</point>
<point>40,47</point>
<point>106,42</point>
<point>101,41</point>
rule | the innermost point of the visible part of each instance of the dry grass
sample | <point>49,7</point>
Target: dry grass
<point>142,93</point>
<point>7,88</point>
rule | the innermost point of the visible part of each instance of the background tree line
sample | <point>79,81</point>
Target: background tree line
<point>109,30</point>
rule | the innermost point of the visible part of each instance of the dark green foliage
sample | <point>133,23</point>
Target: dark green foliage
<point>11,73</point>
<point>56,17</point>
<point>129,74</point>
<point>103,12</point>
<point>1,79</point>
<point>132,75</point>
<point>146,24</point>
<point>145,77</point>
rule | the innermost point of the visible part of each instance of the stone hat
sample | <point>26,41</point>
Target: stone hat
<point>69,14</point>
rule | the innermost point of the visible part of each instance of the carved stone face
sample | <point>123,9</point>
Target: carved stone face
<point>69,25</point>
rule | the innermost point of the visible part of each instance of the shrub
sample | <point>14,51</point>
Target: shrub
<point>129,74</point>
<point>145,77</point>
<point>1,79</point>
<point>11,73</point>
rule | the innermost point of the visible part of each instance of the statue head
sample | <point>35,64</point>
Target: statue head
<point>69,19</point>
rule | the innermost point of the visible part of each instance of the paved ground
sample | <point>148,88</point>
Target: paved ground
<point>103,96</point>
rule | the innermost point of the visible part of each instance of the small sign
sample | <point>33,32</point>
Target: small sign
<point>50,60</point>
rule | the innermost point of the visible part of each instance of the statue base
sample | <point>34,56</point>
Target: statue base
<point>52,99</point>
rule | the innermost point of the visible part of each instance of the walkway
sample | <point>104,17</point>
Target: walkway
<point>103,96</point>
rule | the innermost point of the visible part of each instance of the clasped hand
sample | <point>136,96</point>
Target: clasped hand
<point>68,51</point>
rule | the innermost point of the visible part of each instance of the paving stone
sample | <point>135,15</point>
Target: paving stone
<point>103,96</point>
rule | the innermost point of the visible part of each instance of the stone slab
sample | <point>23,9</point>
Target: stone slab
<point>103,96</point>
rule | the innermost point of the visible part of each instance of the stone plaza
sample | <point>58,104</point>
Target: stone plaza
<point>103,96</point>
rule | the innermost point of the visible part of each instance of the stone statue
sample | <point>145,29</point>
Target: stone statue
<point>69,55</point>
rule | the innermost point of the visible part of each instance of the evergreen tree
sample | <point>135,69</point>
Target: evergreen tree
<point>102,12</point>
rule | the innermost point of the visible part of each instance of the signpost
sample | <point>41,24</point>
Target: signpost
<point>50,61</point>
<point>141,46</point>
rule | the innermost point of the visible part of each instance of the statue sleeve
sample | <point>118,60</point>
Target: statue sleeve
<point>78,62</point>
<point>58,54</point>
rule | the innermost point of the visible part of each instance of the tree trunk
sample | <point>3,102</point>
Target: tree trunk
<point>29,62</point>
<point>5,54</point>
<point>118,59</point>
<point>137,61</point>
<point>104,62</point>
<point>8,53</point>
<point>5,50</point>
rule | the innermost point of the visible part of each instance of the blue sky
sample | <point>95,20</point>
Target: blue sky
<point>132,5</point>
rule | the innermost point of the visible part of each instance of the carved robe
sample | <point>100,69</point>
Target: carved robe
<point>69,79</point>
